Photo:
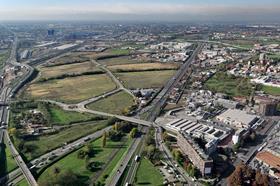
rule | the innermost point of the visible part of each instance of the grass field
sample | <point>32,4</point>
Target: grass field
<point>102,156</point>
<point>118,61</point>
<point>62,117</point>
<point>117,51</point>
<point>70,58</point>
<point>7,161</point>
<point>113,104</point>
<point>232,86</point>
<point>76,68</point>
<point>44,144</point>
<point>147,174</point>
<point>148,79</point>
<point>11,163</point>
<point>3,57</point>
<point>71,90</point>
<point>271,90</point>
<point>144,66</point>
<point>23,182</point>
<point>248,44</point>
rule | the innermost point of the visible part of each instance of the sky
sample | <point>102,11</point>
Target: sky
<point>142,10</point>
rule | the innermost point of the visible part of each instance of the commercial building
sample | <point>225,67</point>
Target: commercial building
<point>237,118</point>
<point>196,154</point>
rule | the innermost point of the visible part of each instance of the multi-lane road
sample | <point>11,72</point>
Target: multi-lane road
<point>157,104</point>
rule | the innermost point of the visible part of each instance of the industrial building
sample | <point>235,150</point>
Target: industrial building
<point>237,118</point>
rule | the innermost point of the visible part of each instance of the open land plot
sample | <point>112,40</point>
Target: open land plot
<point>118,51</point>
<point>76,68</point>
<point>118,61</point>
<point>230,85</point>
<point>44,144</point>
<point>248,44</point>
<point>74,57</point>
<point>23,182</point>
<point>148,174</point>
<point>59,116</point>
<point>7,161</point>
<point>102,156</point>
<point>71,90</point>
<point>146,79</point>
<point>114,104</point>
<point>275,91</point>
<point>54,115</point>
<point>144,67</point>
<point>3,57</point>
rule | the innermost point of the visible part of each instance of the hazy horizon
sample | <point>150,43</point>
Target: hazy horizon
<point>158,10</point>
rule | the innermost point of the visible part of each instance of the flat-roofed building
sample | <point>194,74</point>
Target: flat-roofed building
<point>237,118</point>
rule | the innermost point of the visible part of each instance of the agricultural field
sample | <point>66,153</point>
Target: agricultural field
<point>74,57</point>
<point>107,158</point>
<point>76,68</point>
<point>145,79</point>
<point>117,51</point>
<point>114,104</point>
<point>70,90</point>
<point>148,174</point>
<point>118,61</point>
<point>144,67</point>
<point>230,85</point>
<point>44,144</point>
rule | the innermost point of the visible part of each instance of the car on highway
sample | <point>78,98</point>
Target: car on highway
<point>137,158</point>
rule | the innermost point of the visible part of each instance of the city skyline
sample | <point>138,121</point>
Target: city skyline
<point>159,10</point>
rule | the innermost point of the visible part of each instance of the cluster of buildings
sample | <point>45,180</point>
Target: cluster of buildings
<point>263,71</point>
<point>268,157</point>
<point>34,124</point>
<point>170,51</point>
<point>212,55</point>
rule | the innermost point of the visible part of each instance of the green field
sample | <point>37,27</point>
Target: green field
<point>3,57</point>
<point>116,51</point>
<point>230,85</point>
<point>275,57</point>
<point>61,117</point>
<point>70,69</point>
<point>118,61</point>
<point>148,174</point>
<point>275,91</point>
<point>23,182</point>
<point>44,144</point>
<point>148,79</point>
<point>102,156</point>
<point>114,104</point>
<point>11,163</point>
<point>6,160</point>
<point>70,90</point>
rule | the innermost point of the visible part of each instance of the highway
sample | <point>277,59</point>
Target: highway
<point>5,115</point>
<point>157,104</point>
